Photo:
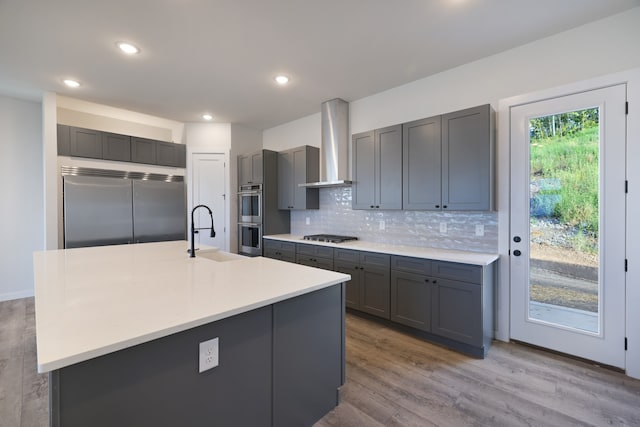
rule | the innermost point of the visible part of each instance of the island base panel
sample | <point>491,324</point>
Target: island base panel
<point>157,383</point>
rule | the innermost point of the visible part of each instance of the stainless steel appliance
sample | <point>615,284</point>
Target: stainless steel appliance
<point>250,239</point>
<point>103,207</point>
<point>250,203</point>
<point>331,238</point>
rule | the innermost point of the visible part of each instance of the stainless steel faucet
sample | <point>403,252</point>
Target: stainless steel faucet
<point>194,230</point>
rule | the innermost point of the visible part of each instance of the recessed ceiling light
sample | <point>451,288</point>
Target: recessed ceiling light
<point>128,48</point>
<point>207,116</point>
<point>283,80</point>
<point>71,83</point>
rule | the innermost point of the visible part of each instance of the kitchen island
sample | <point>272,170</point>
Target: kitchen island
<point>119,330</point>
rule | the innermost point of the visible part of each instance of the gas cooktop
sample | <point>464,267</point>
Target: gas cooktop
<point>331,238</point>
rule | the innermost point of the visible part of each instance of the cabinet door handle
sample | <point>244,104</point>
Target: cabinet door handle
<point>444,207</point>
<point>372,206</point>
<point>435,281</point>
<point>377,207</point>
<point>438,206</point>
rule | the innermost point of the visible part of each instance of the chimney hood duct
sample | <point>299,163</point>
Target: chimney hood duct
<point>334,145</point>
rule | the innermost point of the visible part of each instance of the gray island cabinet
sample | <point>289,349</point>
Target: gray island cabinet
<point>281,349</point>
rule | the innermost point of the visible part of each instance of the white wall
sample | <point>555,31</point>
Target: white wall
<point>602,47</point>
<point>304,131</point>
<point>21,226</point>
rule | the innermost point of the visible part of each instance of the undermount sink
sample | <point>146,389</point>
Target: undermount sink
<point>218,255</point>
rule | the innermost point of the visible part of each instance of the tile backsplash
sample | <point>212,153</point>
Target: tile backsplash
<point>413,228</point>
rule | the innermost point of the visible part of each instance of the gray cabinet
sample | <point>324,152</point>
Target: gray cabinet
<point>377,169</point>
<point>448,161</point>
<point>411,292</point>
<point>85,143</point>
<point>421,164</point>
<point>170,154</point>
<point>468,159</point>
<point>462,304</point>
<point>368,289</point>
<point>94,144</point>
<point>314,256</point>
<point>250,168</point>
<point>283,251</point>
<point>143,150</point>
<point>298,166</point>
<point>116,147</point>
<point>64,143</point>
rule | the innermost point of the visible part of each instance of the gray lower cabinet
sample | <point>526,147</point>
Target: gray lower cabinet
<point>457,311</point>
<point>85,143</point>
<point>283,251</point>
<point>298,166</point>
<point>314,256</point>
<point>116,147</point>
<point>377,169</point>
<point>369,287</point>
<point>411,292</point>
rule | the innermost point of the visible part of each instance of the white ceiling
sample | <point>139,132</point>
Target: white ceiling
<point>220,56</point>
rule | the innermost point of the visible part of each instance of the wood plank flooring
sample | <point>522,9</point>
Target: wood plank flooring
<point>392,380</point>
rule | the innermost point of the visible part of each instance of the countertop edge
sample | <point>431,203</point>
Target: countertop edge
<point>448,255</point>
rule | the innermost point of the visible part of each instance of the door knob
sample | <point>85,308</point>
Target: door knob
<point>517,253</point>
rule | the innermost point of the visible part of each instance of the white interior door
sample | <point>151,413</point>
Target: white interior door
<point>208,188</point>
<point>567,240</point>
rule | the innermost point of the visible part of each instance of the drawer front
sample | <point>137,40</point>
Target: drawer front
<point>347,255</point>
<point>456,271</point>
<point>411,265</point>
<point>314,250</point>
<point>280,250</point>
<point>374,259</point>
<point>312,261</point>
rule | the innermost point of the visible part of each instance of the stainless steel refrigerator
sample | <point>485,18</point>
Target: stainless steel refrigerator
<point>109,210</point>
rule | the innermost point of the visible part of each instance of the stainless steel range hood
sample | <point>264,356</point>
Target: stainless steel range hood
<point>334,161</point>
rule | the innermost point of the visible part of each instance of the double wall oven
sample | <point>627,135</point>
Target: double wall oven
<point>250,217</point>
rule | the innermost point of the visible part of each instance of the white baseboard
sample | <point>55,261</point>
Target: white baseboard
<point>16,295</point>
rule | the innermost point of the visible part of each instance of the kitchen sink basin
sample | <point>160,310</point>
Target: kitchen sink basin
<point>218,255</point>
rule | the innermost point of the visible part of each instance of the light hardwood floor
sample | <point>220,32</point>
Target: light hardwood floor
<point>392,380</point>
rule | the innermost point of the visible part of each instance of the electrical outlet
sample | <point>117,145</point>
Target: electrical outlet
<point>443,227</point>
<point>479,230</point>
<point>382,225</point>
<point>307,220</point>
<point>208,354</point>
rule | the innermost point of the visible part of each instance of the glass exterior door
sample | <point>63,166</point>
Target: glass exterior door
<point>568,224</point>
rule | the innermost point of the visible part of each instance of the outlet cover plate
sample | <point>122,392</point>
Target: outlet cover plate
<point>208,354</point>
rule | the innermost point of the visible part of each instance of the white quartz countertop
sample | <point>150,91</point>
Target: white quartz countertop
<point>466,257</point>
<point>94,301</point>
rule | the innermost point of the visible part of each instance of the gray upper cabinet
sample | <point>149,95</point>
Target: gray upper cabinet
<point>85,143</point>
<point>422,152</point>
<point>377,169</point>
<point>64,143</point>
<point>468,159</point>
<point>250,168</point>
<point>94,144</point>
<point>143,150</point>
<point>298,166</point>
<point>116,147</point>
<point>448,161</point>
<point>170,154</point>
